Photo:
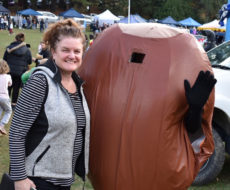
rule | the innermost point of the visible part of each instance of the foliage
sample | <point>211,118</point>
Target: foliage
<point>208,10</point>
<point>178,9</point>
<point>201,10</point>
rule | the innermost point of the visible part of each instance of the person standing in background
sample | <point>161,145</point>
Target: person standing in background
<point>20,21</point>
<point>46,23</point>
<point>11,26</point>
<point>5,81</point>
<point>1,23</point>
<point>18,57</point>
<point>24,23</point>
<point>42,23</point>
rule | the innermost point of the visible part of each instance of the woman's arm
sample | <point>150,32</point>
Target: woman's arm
<point>27,109</point>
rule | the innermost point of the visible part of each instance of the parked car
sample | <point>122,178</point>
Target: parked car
<point>47,15</point>
<point>220,61</point>
<point>86,21</point>
<point>82,20</point>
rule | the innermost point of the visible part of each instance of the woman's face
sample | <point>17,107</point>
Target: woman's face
<point>68,54</point>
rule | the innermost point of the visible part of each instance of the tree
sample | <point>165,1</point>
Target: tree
<point>200,10</point>
<point>144,8</point>
<point>178,9</point>
<point>208,10</point>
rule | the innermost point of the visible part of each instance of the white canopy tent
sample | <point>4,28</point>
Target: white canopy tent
<point>213,25</point>
<point>106,17</point>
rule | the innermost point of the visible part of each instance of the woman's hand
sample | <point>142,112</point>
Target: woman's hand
<point>25,184</point>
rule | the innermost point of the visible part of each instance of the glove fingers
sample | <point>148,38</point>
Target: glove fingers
<point>187,87</point>
<point>214,82</point>
<point>207,74</point>
<point>211,81</point>
<point>199,78</point>
<point>207,78</point>
<point>211,85</point>
<point>201,75</point>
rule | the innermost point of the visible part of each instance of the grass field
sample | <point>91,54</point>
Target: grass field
<point>33,37</point>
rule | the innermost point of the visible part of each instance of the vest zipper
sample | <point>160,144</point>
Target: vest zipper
<point>73,172</point>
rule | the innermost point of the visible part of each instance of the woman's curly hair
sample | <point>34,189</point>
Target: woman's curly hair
<point>4,68</point>
<point>67,27</point>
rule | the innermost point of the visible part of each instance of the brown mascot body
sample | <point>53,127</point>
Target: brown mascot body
<point>135,90</point>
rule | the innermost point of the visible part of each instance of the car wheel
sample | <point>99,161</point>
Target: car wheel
<point>212,167</point>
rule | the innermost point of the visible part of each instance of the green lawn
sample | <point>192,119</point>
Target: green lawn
<point>33,37</point>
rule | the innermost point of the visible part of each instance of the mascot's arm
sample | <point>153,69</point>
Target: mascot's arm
<point>197,96</point>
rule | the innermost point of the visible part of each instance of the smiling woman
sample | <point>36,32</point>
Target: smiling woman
<point>52,109</point>
<point>68,57</point>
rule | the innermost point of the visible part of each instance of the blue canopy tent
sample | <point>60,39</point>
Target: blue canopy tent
<point>29,12</point>
<point>71,13</point>
<point>4,10</point>
<point>189,22</point>
<point>169,20</point>
<point>133,19</point>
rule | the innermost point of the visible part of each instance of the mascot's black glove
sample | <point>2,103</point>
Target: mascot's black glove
<point>197,96</point>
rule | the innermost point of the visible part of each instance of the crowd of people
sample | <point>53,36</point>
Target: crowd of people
<point>6,23</point>
<point>22,22</point>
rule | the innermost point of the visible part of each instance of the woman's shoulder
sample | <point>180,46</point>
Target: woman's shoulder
<point>38,78</point>
<point>38,74</point>
<point>36,81</point>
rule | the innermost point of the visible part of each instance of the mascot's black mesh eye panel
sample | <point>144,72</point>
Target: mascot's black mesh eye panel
<point>137,58</point>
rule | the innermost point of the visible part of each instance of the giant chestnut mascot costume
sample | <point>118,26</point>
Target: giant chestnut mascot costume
<point>139,81</point>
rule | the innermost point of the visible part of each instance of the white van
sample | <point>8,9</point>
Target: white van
<point>47,15</point>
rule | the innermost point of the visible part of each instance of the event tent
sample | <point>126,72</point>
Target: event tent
<point>133,19</point>
<point>71,13</point>
<point>106,18</point>
<point>29,12</point>
<point>213,25</point>
<point>189,22</point>
<point>4,10</point>
<point>169,20</point>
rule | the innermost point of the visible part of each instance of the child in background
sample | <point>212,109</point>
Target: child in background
<point>91,38</point>
<point>5,105</point>
<point>11,26</point>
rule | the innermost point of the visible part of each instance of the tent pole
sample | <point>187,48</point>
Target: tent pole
<point>129,12</point>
